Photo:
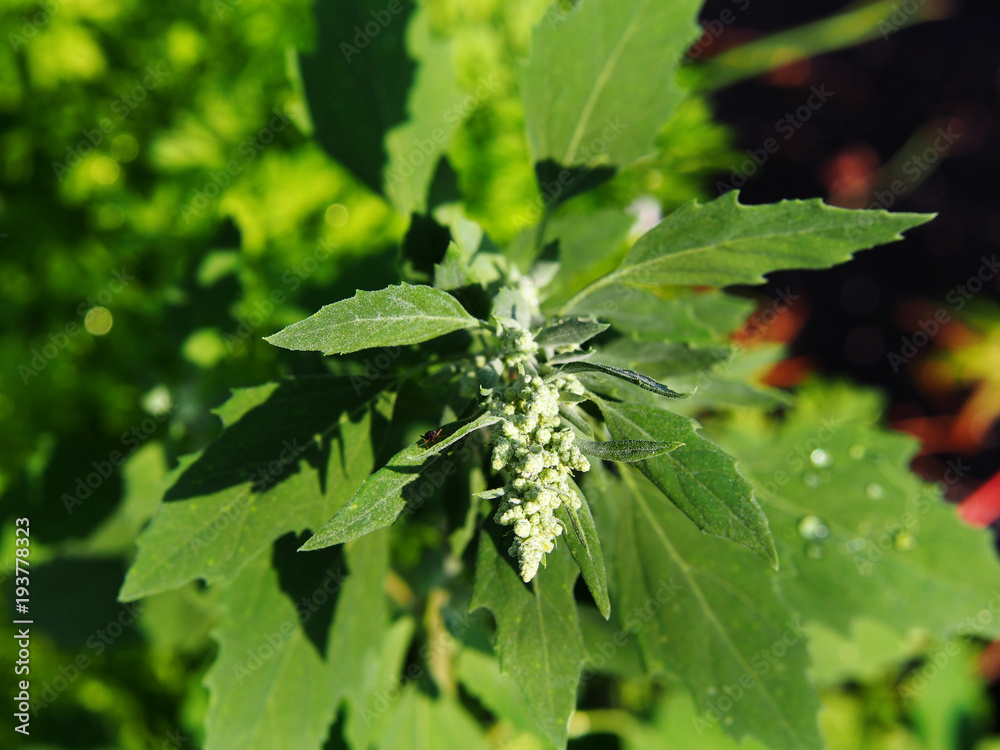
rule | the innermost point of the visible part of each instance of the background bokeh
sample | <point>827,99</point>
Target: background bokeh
<point>164,205</point>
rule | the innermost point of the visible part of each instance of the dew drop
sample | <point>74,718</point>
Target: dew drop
<point>875,491</point>
<point>810,479</point>
<point>820,457</point>
<point>856,545</point>
<point>710,691</point>
<point>816,551</point>
<point>905,541</point>
<point>812,527</point>
<point>857,452</point>
<point>728,721</point>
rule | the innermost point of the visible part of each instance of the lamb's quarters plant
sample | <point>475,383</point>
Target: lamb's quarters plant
<point>505,420</point>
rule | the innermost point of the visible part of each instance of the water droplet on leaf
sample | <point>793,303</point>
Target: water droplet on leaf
<point>812,527</point>
<point>875,491</point>
<point>820,457</point>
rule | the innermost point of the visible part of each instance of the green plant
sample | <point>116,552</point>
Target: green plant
<point>447,480</point>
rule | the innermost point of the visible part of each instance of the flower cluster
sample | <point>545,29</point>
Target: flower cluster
<point>538,455</point>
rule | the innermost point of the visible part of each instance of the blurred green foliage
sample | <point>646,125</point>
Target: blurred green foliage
<point>164,205</point>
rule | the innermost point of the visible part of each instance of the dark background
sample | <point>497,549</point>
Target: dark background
<point>929,75</point>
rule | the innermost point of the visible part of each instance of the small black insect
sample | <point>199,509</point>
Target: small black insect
<point>431,436</point>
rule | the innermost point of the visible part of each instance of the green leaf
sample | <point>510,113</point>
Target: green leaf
<point>419,722</point>
<point>701,610</point>
<point>538,633</point>
<point>366,713</point>
<point>601,82</point>
<point>585,546</point>
<point>725,242</point>
<point>699,478</point>
<point>859,532</point>
<point>635,378</point>
<point>384,495</point>
<point>394,316</point>
<point>384,110</point>
<point>691,317</point>
<point>480,674</point>
<point>664,358</point>
<point>357,95</point>
<point>677,725</point>
<point>278,679</point>
<point>264,476</point>
<point>570,332</point>
<point>590,245</point>
<point>628,451</point>
<point>415,146</point>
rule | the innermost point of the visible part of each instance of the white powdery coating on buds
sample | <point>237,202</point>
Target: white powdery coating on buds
<point>539,456</point>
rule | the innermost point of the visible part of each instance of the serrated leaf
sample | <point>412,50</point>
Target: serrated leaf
<point>724,242</point>
<point>383,495</point>
<point>699,478</point>
<point>635,378</point>
<point>264,476</point>
<point>619,93</point>
<point>862,536</point>
<point>538,633</point>
<point>570,332</point>
<point>272,685</point>
<point>585,546</point>
<point>394,316</point>
<point>703,611</point>
<point>628,451</point>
